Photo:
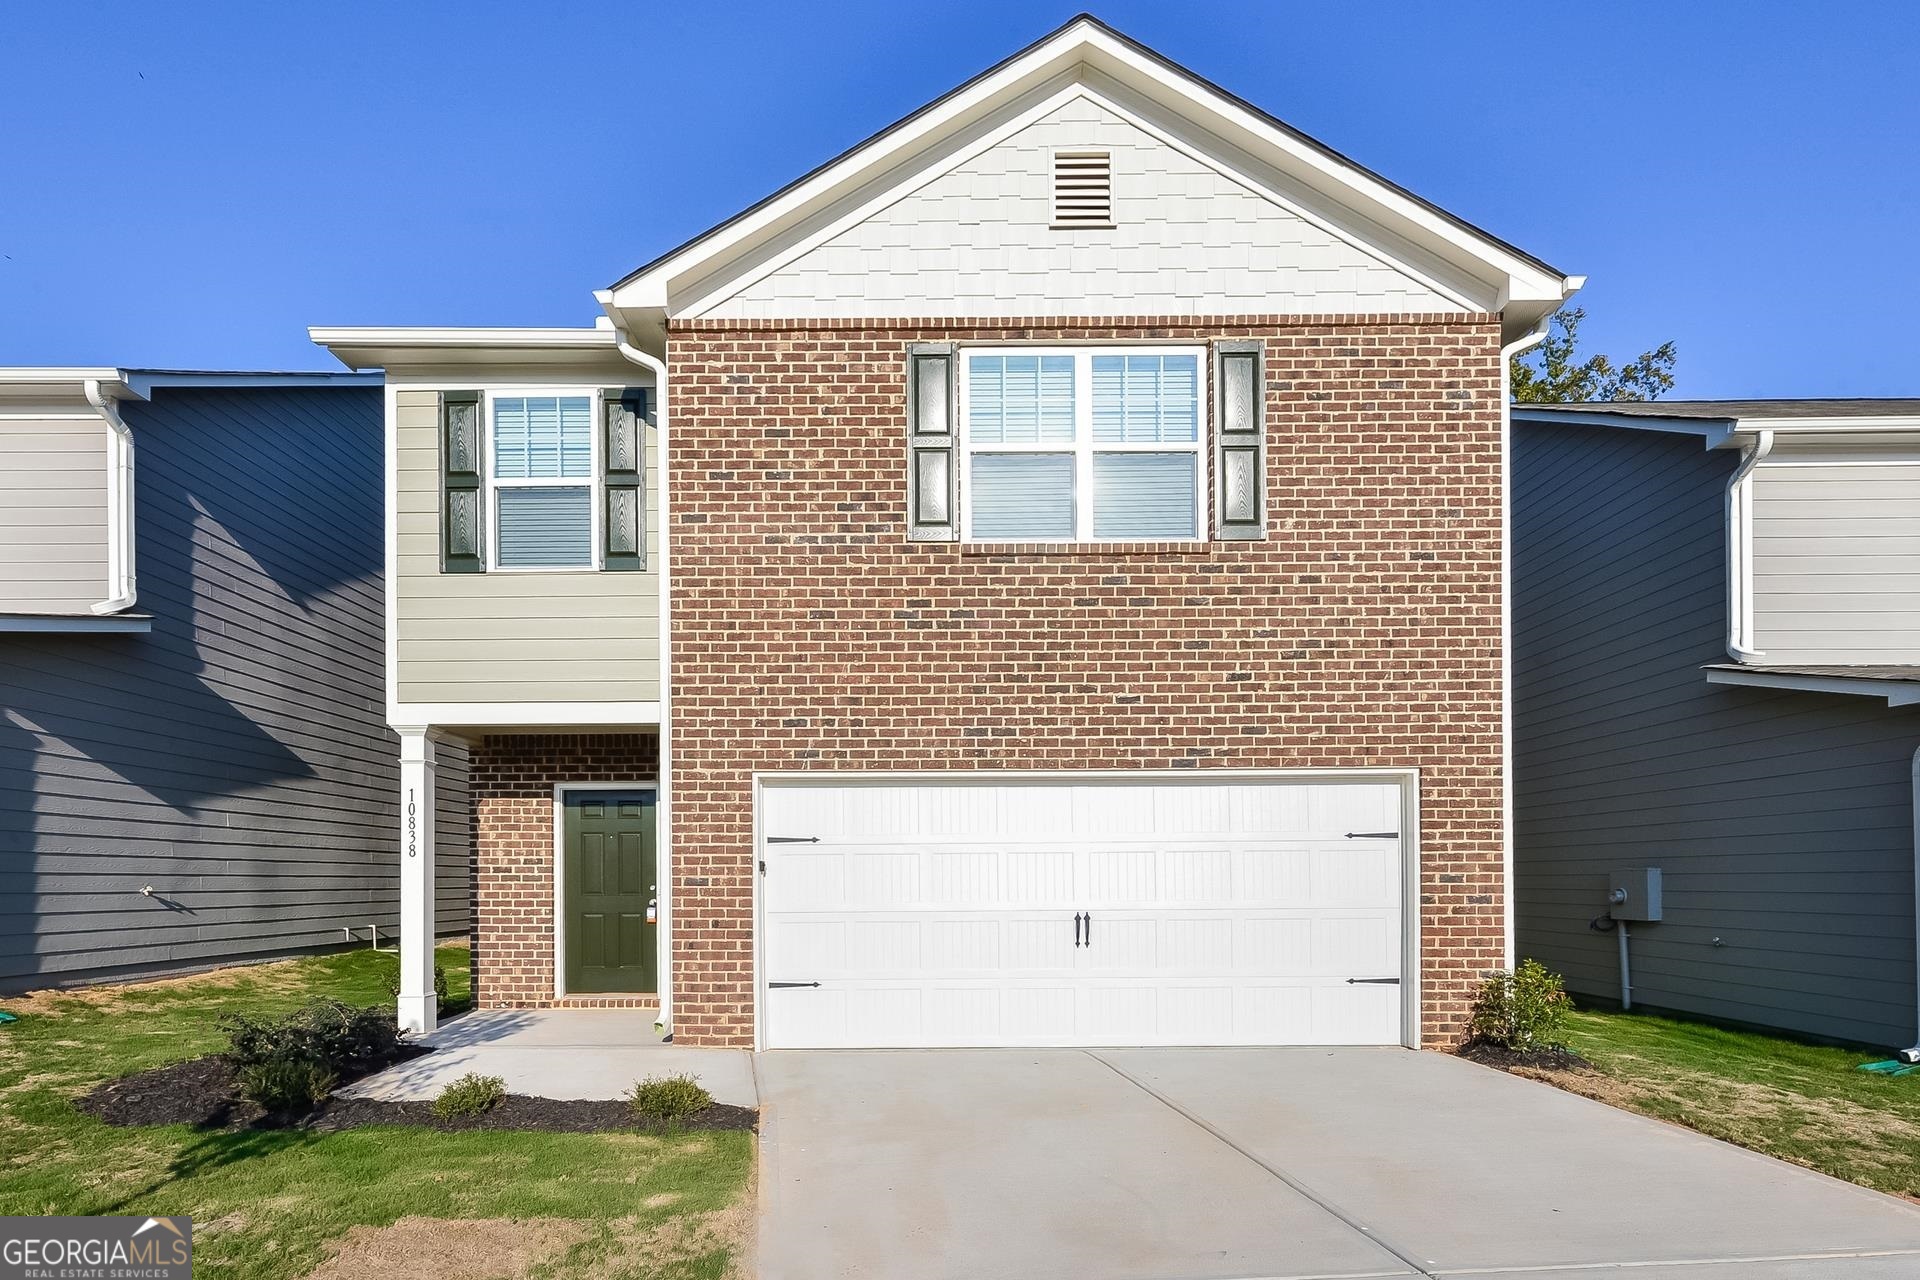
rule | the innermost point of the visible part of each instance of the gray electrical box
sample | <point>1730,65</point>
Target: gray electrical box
<point>1635,894</point>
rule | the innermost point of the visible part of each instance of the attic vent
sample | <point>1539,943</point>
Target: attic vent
<point>1082,189</point>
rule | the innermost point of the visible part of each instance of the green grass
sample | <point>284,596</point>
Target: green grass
<point>265,1204</point>
<point>1801,1102</point>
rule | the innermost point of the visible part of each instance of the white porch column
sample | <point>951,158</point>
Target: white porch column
<point>419,1009</point>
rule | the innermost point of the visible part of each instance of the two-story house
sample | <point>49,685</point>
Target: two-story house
<point>195,766</point>
<point>1037,579</point>
<point>1717,676</point>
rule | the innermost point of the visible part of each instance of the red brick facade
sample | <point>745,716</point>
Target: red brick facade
<point>809,634</point>
<point>511,783</point>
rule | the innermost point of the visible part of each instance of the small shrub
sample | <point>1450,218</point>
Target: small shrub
<point>668,1099</point>
<point>336,1036</point>
<point>282,1085</point>
<point>471,1095</point>
<point>1525,1010</point>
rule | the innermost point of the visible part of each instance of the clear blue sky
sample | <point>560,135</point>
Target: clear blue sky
<point>191,184</point>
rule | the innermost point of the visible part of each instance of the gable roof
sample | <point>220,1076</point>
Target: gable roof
<point>1519,284</point>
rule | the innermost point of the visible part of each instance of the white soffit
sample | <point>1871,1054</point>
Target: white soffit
<point>1086,56</point>
<point>406,348</point>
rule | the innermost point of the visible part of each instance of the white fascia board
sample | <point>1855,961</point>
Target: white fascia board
<point>523,715</point>
<point>379,348</point>
<point>1525,287</point>
<point>25,381</point>
<point>1831,426</point>
<point>1897,693</point>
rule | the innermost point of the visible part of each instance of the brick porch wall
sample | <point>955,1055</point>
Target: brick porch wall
<point>809,634</point>
<point>512,783</point>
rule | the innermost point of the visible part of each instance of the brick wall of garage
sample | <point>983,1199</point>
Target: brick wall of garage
<point>512,787</point>
<point>809,634</point>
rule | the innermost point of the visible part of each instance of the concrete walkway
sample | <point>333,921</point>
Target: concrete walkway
<point>559,1053</point>
<point>1225,1164</point>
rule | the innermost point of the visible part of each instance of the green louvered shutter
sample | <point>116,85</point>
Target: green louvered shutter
<point>462,491</point>
<point>1240,452</point>
<point>933,465</point>
<point>623,454</point>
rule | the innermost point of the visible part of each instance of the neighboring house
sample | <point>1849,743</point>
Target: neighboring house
<point>194,762</point>
<point>1035,580</point>
<point>1716,646</point>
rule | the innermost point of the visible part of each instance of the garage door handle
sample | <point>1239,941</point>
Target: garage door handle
<point>775,986</point>
<point>1089,941</point>
<point>1076,928</point>
<point>1383,982</point>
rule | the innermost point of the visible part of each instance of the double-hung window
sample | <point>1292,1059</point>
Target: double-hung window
<point>541,480</point>
<point>1082,445</point>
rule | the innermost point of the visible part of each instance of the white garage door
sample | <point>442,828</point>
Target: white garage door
<point>1081,913</point>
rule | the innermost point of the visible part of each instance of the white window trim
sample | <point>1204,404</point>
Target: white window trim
<point>1084,447</point>
<point>593,481</point>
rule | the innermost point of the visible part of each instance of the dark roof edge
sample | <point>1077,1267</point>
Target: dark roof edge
<point>149,378</point>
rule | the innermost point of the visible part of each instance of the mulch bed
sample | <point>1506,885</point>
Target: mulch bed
<point>1493,1055</point>
<point>201,1092</point>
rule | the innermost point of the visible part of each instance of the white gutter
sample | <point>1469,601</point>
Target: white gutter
<point>1532,338</point>
<point>1740,550</point>
<point>663,805</point>
<point>120,579</point>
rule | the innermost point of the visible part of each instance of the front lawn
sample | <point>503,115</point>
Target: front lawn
<point>1799,1102</point>
<point>268,1204</point>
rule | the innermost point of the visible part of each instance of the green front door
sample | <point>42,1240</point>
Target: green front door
<point>609,891</point>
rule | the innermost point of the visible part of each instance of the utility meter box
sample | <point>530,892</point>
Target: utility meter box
<point>1635,894</point>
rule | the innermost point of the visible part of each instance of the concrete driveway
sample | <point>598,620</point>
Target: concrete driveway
<point>1271,1163</point>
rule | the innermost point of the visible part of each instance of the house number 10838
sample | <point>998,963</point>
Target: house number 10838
<point>413,825</point>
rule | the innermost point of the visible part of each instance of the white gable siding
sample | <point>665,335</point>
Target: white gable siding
<point>978,241</point>
<point>1836,563</point>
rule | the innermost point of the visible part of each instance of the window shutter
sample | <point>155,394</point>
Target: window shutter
<point>623,458</point>
<point>1240,452</point>
<point>462,495</point>
<point>933,479</point>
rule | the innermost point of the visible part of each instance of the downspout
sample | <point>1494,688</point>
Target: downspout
<point>1740,550</point>
<point>120,581</point>
<point>1913,1054</point>
<point>1532,338</point>
<point>663,806</point>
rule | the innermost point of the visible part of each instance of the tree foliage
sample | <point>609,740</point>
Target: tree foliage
<point>1555,373</point>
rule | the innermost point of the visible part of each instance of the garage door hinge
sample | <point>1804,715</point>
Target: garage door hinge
<point>1373,835</point>
<point>793,839</point>
<point>777,985</point>
<point>1383,982</point>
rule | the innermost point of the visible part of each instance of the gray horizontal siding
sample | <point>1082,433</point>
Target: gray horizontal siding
<point>236,758</point>
<point>1782,820</point>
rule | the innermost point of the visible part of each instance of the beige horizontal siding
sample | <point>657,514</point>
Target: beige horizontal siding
<point>510,637</point>
<point>1836,563</point>
<point>53,515</point>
